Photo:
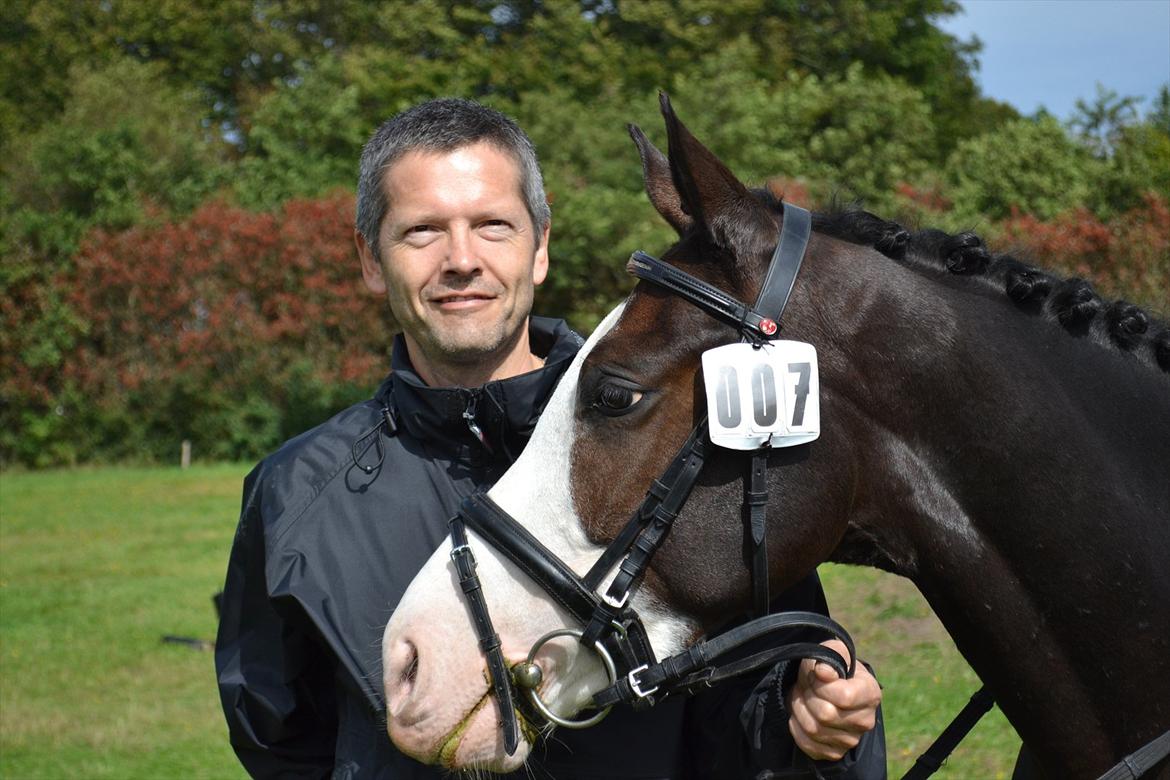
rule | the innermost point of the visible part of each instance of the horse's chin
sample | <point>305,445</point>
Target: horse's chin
<point>475,741</point>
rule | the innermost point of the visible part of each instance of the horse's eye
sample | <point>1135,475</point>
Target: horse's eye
<point>614,399</point>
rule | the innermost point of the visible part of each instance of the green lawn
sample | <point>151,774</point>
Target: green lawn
<point>96,565</point>
<point>925,682</point>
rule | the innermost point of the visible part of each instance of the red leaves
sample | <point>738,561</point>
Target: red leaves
<point>1127,256</point>
<point>228,300</point>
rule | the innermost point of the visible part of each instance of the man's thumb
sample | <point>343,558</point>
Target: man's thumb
<point>824,672</point>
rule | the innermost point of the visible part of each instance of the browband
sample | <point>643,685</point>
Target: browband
<point>756,323</point>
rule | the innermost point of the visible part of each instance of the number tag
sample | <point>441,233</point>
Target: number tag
<point>769,395</point>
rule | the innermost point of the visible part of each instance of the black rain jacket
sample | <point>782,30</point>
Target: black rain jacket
<point>325,549</point>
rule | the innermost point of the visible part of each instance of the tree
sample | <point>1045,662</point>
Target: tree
<point>1028,165</point>
<point>1101,122</point>
<point>303,140</point>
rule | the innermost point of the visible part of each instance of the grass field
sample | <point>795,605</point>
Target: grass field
<point>97,565</point>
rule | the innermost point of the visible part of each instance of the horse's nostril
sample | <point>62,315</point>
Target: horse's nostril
<point>401,674</point>
<point>411,670</point>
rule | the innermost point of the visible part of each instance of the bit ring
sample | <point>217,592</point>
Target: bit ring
<point>543,708</point>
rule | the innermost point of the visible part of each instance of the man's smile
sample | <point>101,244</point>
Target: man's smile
<point>462,301</point>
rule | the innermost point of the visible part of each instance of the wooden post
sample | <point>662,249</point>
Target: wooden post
<point>185,456</point>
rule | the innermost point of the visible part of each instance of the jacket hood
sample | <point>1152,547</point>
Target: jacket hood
<point>505,411</point>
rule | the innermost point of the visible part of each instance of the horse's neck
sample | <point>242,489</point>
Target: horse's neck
<point>1023,492</point>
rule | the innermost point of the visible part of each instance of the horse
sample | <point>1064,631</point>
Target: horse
<point>995,434</point>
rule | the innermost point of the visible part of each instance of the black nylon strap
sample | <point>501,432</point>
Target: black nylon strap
<point>489,640</point>
<point>1141,760</point>
<point>929,762</point>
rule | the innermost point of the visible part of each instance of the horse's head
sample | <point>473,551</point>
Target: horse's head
<point>613,425</point>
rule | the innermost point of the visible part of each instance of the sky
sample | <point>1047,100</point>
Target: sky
<point>1051,52</point>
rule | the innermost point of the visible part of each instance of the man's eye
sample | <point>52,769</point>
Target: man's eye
<point>616,399</point>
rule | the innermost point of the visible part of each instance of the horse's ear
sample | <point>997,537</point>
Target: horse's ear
<point>709,192</point>
<point>659,184</point>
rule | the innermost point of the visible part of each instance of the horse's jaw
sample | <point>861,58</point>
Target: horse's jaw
<point>439,706</point>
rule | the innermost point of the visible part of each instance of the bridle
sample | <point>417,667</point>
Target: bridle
<point>611,626</point>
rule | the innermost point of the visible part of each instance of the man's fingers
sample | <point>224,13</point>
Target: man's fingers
<point>816,739</point>
<point>860,691</point>
<point>822,670</point>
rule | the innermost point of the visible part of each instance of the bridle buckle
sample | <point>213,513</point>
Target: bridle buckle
<point>612,602</point>
<point>637,689</point>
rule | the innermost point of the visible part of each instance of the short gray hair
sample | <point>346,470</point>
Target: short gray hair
<point>443,125</point>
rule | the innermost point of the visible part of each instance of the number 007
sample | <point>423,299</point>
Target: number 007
<point>763,390</point>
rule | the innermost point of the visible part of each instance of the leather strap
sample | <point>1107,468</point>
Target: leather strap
<point>710,299</point>
<point>655,495</point>
<point>489,640</point>
<point>695,666</point>
<point>1141,760</point>
<point>501,531</point>
<point>756,502</point>
<point>650,537</point>
<point>786,261</point>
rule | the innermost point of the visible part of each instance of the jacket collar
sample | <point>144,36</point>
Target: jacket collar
<point>505,410</point>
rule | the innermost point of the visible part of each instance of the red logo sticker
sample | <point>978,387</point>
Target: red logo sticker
<point>767,327</point>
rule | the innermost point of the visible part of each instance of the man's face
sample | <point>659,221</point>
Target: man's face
<point>460,257</point>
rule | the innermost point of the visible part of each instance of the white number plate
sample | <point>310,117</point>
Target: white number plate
<point>760,396</point>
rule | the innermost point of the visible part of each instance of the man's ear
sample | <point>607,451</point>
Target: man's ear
<point>371,268</point>
<point>540,261</point>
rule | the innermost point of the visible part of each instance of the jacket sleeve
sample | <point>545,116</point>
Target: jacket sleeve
<point>740,729</point>
<point>275,682</point>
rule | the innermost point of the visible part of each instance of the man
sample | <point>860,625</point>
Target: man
<point>453,228</point>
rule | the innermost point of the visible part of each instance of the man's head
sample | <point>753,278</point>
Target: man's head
<point>452,226</point>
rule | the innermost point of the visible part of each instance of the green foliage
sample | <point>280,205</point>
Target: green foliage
<point>1140,164</point>
<point>305,139</point>
<point>1159,115</point>
<point>123,138</point>
<point>1101,122</point>
<point>228,328</point>
<point>856,133</point>
<point>1027,165</point>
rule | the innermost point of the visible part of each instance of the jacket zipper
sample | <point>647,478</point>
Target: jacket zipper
<point>472,425</point>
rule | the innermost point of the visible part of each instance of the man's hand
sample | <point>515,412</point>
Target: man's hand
<point>829,715</point>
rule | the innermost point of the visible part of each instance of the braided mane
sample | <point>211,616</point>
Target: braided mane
<point>1071,303</point>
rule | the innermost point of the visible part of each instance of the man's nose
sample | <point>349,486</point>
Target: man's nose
<point>462,258</point>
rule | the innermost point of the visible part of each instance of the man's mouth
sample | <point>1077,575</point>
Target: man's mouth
<point>465,300</point>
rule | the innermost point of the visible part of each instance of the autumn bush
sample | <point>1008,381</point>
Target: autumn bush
<point>230,328</point>
<point>1125,256</point>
